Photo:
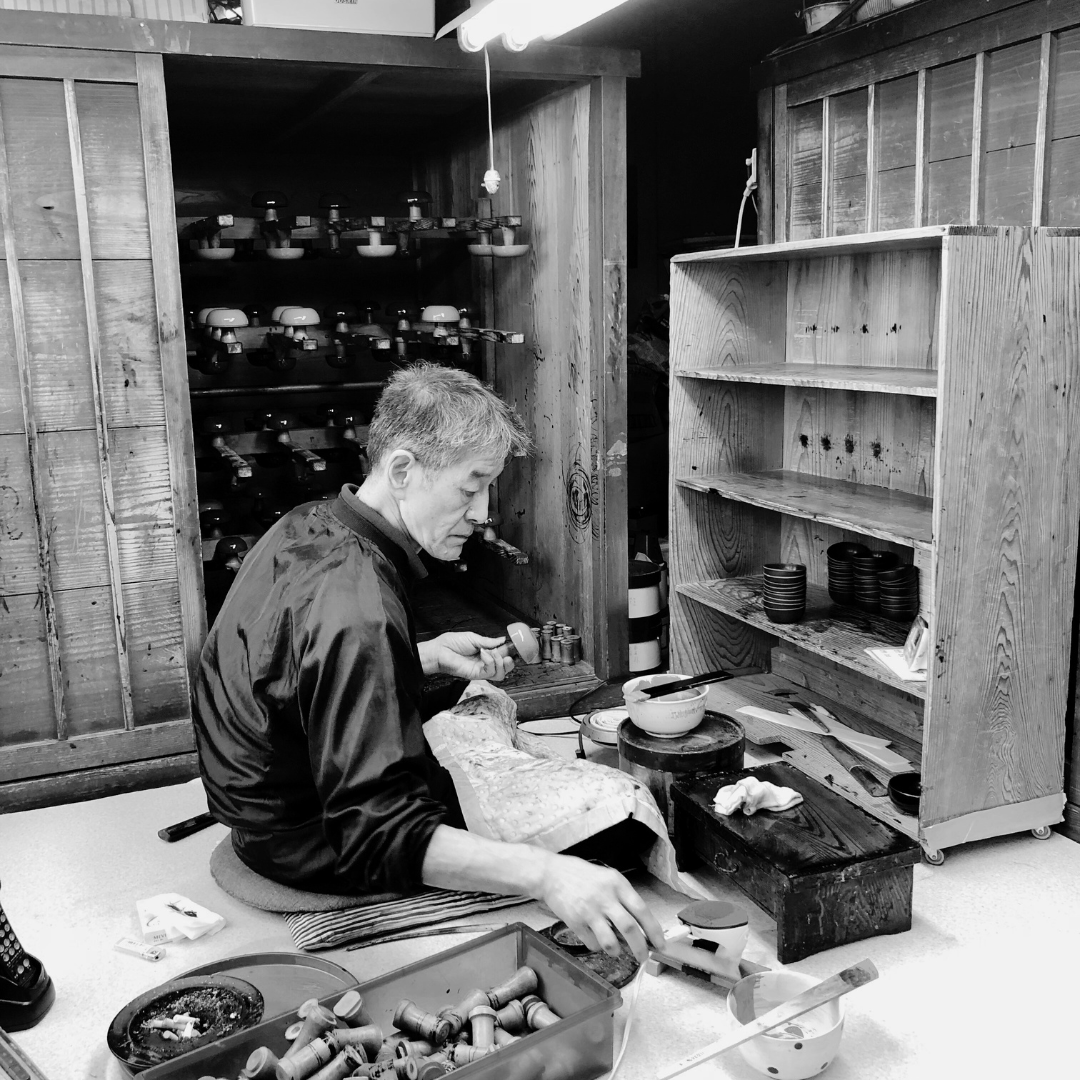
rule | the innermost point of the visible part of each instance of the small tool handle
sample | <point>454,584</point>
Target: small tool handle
<point>186,828</point>
<point>854,765</point>
<point>662,689</point>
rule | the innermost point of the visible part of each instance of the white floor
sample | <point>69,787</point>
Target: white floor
<point>982,986</point>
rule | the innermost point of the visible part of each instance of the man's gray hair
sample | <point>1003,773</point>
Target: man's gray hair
<point>444,416</point>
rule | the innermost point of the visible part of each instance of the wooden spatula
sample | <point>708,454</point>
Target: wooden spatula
<point>663,689</point>
<point>836,986</point>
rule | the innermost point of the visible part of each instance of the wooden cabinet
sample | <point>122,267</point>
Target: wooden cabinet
<point>953,112</point>
<point>101,589</point>
<point>913,391</point>
<point>100,584</point>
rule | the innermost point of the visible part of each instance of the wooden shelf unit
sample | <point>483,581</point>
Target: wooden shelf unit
<point>912,391</point>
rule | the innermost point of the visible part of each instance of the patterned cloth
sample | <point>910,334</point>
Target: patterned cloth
<point>313,930</point>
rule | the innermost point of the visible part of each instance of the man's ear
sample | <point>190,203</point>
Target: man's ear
<point>401,467</point>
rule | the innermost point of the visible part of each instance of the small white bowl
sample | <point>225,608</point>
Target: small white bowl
<point>376,251</point>
<point>285,253</point>
<point>479,249</point>
<point>802,1047</point>
<point>509,251</point>
<point>665,717</point>
<point>440,313</point>
<point>218,254</point>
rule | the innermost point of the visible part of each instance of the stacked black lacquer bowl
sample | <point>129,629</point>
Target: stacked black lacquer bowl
<point>784,594</point>
<point>873,581</point>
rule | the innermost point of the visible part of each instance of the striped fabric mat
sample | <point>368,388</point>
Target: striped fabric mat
<point>313,930</point>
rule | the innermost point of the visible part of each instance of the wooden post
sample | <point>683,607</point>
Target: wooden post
<point>607,277</point>
<point>976,139</point>
<point>172,346</point>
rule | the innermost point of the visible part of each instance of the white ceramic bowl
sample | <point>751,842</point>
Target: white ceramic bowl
<point>665,717</point>
<point>285,254</point>
<point>802,1047</point>
<point>218,254</point>
<point>376,251</point>
<point>440,313</point>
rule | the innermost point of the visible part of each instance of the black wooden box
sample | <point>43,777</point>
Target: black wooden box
<point>825,870</point>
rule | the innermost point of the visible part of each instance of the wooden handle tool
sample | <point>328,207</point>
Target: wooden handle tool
<point>836,986</point>
<point>663,689</point>
<point>854,765</point>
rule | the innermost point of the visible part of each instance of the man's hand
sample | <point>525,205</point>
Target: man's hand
<point>594,901</point>
<point>466,656</point>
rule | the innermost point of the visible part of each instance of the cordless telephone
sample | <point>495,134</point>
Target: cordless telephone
<point>26,991</point>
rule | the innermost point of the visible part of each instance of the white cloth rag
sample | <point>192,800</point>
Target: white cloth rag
<point>752,795</point>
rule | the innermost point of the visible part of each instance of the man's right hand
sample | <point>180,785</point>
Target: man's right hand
<point>594,901</point>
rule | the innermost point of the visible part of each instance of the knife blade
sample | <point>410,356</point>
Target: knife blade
<point>865,778</point>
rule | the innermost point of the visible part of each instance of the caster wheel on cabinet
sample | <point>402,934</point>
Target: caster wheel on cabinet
<point>1041,833</point>
<point>933,857</point>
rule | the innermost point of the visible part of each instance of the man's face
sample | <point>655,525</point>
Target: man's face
<point>440,506</point>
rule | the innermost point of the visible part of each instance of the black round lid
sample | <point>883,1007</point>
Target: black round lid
<point>643,574</point>
<point>713,915</point>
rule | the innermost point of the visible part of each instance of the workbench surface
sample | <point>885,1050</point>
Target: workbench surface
<point>979,987</point>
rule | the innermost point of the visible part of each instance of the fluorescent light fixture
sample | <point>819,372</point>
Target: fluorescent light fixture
<point>518,22</point>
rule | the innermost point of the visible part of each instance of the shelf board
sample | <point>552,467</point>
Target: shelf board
<point>867,243</point>
<point>839,633</point>
<point>874,511</point>
<point>917,382</point>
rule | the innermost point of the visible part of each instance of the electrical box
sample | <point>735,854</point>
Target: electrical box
<point>412,17</point>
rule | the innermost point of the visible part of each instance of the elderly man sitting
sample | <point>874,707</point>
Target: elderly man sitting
<point>308,690</point>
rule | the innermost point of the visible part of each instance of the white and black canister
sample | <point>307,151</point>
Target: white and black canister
<point>643,594</point>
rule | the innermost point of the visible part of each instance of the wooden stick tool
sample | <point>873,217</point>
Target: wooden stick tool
<point>836,986</point>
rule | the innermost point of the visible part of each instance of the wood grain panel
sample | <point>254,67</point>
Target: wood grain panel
<point>39,165</point>
<point>145,535</point>
<point>38,62</point>
<point>131,370</point>
<point>861,309</point>
<point>156,652</point>
<point>847,215</point>
<point>91,670</point>
<point>113,164</point>
<point>922,382</point>
<point>49,757</point>
<point>19,573</point>
<point>950,101</point>
<point>896,199</point>
<point>26,712</point>
<point>847,114</point>
<point>1065,87</point>
<point>805,139</point>
<point>73,508</point>
<point>999,649</point>
<point>948,200</point>
<point>607,275</point>
<point>879,439</point>
<point>895,103</point>
<point>1012,96</point>
<point>59,351</point>
<point>1063,193</point>
<point>1008,186</point>
<point>738,315</point>
<point>11,418</point>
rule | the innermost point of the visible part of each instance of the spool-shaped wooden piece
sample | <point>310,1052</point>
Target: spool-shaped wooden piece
<point>411,1019</point>
<point>349,1008</point>
<point>260,1065</point>
<point>318,1021</point>
<point>538,1013</point>
<point>458,1015</point>
<point>306,1061</point>
<point>482,1022</point>
<point>716,745</point>
<point>511,1017</point>
<point>522,982</point>
<point>369,1036</point>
